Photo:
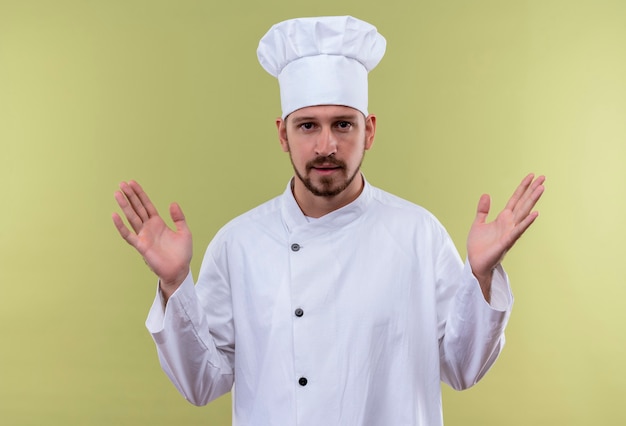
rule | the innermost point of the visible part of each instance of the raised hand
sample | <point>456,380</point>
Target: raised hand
<point>167,252</point>
<point>488,243</point>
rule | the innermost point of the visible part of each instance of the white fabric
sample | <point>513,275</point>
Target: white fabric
<point>389,311</point>
<point>321,60</point>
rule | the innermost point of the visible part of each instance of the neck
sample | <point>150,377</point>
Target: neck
<point>317,206</point>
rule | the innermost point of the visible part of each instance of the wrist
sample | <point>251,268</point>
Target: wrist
<point>168,286</point>
<point>484,281</point>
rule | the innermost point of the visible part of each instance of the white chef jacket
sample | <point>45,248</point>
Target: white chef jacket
<point>351,319</point>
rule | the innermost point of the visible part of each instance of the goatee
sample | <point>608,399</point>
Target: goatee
<point>329,186</point>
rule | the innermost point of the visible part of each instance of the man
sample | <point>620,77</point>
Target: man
<point>335,303</point>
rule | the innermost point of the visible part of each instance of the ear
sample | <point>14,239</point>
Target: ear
<point>370,130</point>
<point>281,127</point>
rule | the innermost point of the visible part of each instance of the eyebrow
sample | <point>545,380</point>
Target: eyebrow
<point>306,119</point>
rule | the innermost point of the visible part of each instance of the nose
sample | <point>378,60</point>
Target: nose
<point>326,143</point>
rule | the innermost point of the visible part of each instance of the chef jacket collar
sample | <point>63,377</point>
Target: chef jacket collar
<point>296,221</point>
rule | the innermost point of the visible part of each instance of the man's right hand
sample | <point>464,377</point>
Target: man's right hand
<point>167,252</point>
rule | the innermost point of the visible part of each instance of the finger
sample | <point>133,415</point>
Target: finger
<point>124,232</point>
<point>531,189</point>
<point>482,211</point>
<point>519,192</point>
<point>130,190</point>
<point>143,197</point>
<point>521,227</point>
<point>178,217</point>
<point>530,199</point>
<point>131,215</point>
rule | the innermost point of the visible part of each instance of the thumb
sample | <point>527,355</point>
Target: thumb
<point>178,217</point>
<point>484,204</point>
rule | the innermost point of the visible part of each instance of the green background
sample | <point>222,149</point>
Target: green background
<point>470,96</point>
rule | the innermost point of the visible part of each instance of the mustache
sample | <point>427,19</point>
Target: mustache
<point>324,161</point>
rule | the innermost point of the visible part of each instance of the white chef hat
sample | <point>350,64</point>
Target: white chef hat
<point>321,61</point>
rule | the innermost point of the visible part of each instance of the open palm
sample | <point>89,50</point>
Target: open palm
<point>167,252</point>
<point>488,243</point>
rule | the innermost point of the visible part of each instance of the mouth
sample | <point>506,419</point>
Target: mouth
<point>325,169</point>
<point>325,165</point>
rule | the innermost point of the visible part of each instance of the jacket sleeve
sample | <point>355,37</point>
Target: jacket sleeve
<point>472,330</point>
<point>194,336</point>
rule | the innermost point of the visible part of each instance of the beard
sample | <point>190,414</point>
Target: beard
<point>327,186</point>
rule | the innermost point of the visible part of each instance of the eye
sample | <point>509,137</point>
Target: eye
<point>306,126</point>
<point>344,125</point>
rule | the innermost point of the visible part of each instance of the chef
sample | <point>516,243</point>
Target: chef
<point>335,303</point>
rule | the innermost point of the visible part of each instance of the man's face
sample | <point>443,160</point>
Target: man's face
<point>326,145</point>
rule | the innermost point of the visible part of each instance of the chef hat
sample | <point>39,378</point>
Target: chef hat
<point>321,61</point>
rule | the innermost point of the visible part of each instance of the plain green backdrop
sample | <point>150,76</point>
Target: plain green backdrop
<point>470,96</point>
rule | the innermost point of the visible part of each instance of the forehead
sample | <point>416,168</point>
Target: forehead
<point>325,112</point>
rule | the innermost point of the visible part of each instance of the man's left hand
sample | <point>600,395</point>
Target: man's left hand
<point>488,243</point>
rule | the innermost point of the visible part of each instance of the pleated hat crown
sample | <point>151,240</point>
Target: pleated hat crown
<point>321,61</point>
